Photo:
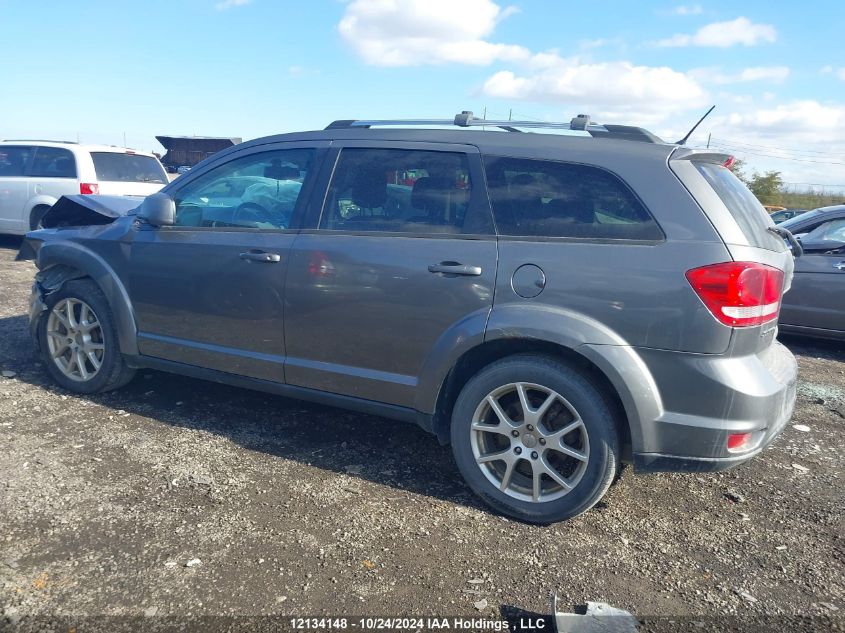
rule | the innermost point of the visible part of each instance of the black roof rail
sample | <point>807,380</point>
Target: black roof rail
<point>466,119</point>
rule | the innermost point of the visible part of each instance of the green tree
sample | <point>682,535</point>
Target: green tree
<point>738,169</point>
<point>767,187</point>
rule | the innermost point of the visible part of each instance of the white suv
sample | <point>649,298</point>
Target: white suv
<point>35,174</point>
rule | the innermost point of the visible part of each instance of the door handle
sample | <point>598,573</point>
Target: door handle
<point>454,268</point>
<point>839,266</point>
<point>261,256</point>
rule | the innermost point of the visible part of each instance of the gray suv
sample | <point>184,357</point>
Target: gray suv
<point>551,305</point>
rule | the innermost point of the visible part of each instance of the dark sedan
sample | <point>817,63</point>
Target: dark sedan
<point>815,306</point>
<point>785,214</point>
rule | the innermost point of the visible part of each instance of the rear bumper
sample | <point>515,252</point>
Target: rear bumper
<point>707,398</point>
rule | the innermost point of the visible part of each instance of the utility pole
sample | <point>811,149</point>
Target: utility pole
<point>510,114</point>
<point>124,139</point>
<point>708,139</point>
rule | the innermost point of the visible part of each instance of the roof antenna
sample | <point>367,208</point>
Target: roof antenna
<point>683,141</point>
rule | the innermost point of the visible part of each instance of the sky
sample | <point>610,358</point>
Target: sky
<point>101,71</point>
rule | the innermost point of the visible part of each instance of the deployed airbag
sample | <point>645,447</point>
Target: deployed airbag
<point>89,209</point>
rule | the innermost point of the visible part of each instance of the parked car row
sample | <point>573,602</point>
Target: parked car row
<point>35,174</point>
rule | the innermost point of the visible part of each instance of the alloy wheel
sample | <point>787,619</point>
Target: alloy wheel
<point>530,442</point>
<point>75,339</point>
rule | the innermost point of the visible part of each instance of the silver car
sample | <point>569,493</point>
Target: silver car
<point>35,174</point>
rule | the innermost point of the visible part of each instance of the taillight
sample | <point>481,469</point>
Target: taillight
<point>89,188</point>
<point>739,294</point>
<point>730,162</point>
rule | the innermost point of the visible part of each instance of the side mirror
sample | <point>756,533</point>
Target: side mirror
<point>158,209</point>
<point>822,246</point>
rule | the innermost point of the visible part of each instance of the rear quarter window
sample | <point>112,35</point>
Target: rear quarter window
<point>746,209</point>
<point>556,199</point>
<point>119,167</point>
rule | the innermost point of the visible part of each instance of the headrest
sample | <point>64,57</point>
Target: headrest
<point>370,190</point>
<point>430,193</point>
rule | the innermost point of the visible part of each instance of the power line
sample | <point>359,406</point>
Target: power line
<point>737,150</point>
<point>814,184</point>
<point>771,147</point>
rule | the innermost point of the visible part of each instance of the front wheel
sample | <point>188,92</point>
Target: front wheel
<point>78,340</point>
<point>535,438</point>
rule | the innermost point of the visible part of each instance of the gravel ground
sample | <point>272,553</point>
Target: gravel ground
<point>180,497</point>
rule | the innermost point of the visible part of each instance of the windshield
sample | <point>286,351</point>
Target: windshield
<point>117,167</point>
<point>800,219</point>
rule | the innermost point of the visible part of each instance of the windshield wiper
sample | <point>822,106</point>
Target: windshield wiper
<point>794,244</point>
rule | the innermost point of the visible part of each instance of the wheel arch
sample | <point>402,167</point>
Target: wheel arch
<point>32,203</point>
<point>60,262</point>
<point>563,335</point>
<point>479,357</point>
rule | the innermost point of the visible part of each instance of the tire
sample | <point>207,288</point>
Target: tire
<point>92,341</point>
<point>570,432</point>
<point>36,215</point>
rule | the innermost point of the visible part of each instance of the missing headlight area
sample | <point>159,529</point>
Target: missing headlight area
<point>87,210</point>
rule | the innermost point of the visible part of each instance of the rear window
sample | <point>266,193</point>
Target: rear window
<point>555,199</point>
<point>117,167</point>
<point>743,205</point>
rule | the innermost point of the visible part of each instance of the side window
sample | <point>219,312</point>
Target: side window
<point>832,230</point>
<point>258,191</point>
<point>555,199</point>
<point>13,160</point>
<point>404,191</point>
<point>53,162</point>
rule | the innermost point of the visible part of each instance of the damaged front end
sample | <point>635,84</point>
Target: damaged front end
<point>88,210</point>
<point>46,282</point>
<point>77,211</point>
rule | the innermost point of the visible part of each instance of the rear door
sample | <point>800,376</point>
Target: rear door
<point>14,194</point>
<point>209,291</point>
<point>53,173</point>
<point>403,252</point>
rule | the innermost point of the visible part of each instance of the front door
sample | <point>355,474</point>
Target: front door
<point>402,253</point>
<point>209,291</point>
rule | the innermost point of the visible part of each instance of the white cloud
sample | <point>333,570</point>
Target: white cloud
<point>804,139</point>
<point>693,9</point>
<point>418,32</point>
<point>740,31</point>
<point>773,74</point>
<point>618,85</point>
<point>830,70</point>
<point>807,119</point>
<point>228,4</point>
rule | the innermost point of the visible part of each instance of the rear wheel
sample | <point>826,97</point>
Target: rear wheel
<point>535,438</point>
<point>78,340</point>
<point>36,215</point>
